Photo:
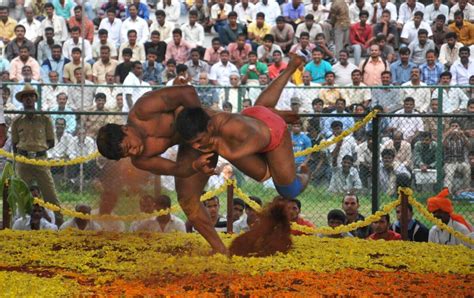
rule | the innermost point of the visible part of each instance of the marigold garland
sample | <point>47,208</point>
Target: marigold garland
<point>49,163</point>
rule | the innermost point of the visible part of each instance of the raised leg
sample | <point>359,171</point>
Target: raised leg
<point>255,166</point>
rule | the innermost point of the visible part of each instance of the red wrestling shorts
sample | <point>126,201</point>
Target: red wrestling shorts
<point>274,122</point>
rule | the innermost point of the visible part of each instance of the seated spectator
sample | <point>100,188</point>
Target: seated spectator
<point>162,224</point>
<point>387,98</point>
<point>305,94</point>
<point>182,76</point>
<point>424,153</point>
<point>271,9</point>
<point>157,45</point>
<point>454,99</point>
<point>178,49</point>
<point>357,7</point>
<point>401,68</point>
<point>83,145</point>
<point>310,27</point>
<point>401,148</point>
<point>171,8</point>
<point>411,28</point>
<point>27,75</point>
<point>284,34</point>
<point>123,69</point>
<point>361,36</point>
<point>356,95</point>
<point>219,222</point>
<point>239,50</point>
<point>152,69</point>
<point>266,50</point>
<point>422,95</point>
<point>300,141</point>
<point>420,47</point>
<point>62,105</point>
<point>416,230</point>
<point>103,66</point>
<point>330,93</point>
<point>138,49</point>
<point>386,51</point>
<point>134,78</point>
<point>387,27</point>
<point>449,51</point>
<point>364,160</point>
<point>134,22</point>
<point>238,207</point>
<point>92,123</point>
<point>147,205</point>
<point>169,72</point>
<point>442,208</point>
<point>220,72</point>
<point>293,12</point>
<point>223,173</point>
<point>304,47</point>
<point>231,94</point>
<point>193,32</point>
<point>293,209</point>
<point>13,48</point>
<point>350,205</point>
<point>24,59</point>
<point>328,49</point>
<point>463,68</point>
<point>345,178</point>
<point>432,69</point>
<point>463,29</point>
<point>53,20</point>
<point>80,21</point>
<point>456,151</point>
<point>389,171</point>
<point>212,54</point>
<point>164,27</point>
<point>277,66</point>
<point>143,10</point>
<point>34,221</point>
<point>318,67</point>
<point>32,26</point>
<point>251,70</point>
<point>343,69</point>
<point>203,14</point>
<point>111,90</point>
<point>75,63</point>
<point>112,24</point>
<point>219,14</point>
<point>79,223</point>
<point>55,63</point>
<point>62,143</point>
<point>50,92</point>
<point>440,30</point>
<point>345,147</point>
<point>434,10</point>
<point>465,7</point>
<point>76,41</point>
<point>245,223</point>
<point>103,40</point>
<point>347,122</point>
<point>230,31</point>
<point>318,10</point>
<point>257,31</point>
<point>337,218</point>
<point>76,100</point>
<point>209,96</point>
<point>381,230</point>
<point>373,66</point>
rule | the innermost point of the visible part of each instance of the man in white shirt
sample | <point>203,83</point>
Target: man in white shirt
<point>465,7</point>
<point>408,126</point>
<point>113,26</point>
<point>407,11</point>
<point>463,68</point>
<point>410,29</point>
<point>32,26</point>
<point>134,78</point>
<point>454,99</point>
<point>343,69</point>
<point>346,147</point>
<point>34,221</point>
<point>172,9</point>
<point>103,40</point>
<point>76,42</point>
<point>50,92</point>
<point>136,23</point>
<point>62,141</point>
<point>310,27</point>
<point>111,91</point>
<point>246,222</point>
<point>56,22</point>
<point>162,224</point>
<point>358,6</point>
<point>422,96</point>
<point>220,72</point>
<point>306,94</point>
<point>193,32</point>
<point>449,51</point>
<point>81,224</point>
<point>380,7</point>
<point>246,12</point>
<point>435,9</point>
<point>163,26</point>
<point>270,8</point>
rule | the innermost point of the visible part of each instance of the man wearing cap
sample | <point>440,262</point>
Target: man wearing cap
<point>32,136</point>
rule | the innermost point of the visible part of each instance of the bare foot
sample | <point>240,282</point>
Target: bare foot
<point>295,61</point>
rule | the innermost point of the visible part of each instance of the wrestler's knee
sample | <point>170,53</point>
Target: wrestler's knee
<point>291,190</point>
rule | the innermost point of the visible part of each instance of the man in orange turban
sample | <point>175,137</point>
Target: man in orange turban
<point>442,208</point>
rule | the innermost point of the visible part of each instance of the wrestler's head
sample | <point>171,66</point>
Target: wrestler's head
<point>192,125</point>
<point>117,141</point>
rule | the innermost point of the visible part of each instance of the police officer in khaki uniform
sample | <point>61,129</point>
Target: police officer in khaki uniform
<point>32,136</point>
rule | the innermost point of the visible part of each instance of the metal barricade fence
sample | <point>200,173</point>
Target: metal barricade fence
<point>395,148</point>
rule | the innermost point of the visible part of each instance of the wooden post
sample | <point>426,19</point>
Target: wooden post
<point>230,208</point>
<point>6,213</point>
<point>404,217</point>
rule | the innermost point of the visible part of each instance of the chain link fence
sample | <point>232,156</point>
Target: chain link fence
<point>426,151</point>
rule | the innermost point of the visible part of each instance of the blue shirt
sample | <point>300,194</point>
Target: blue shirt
<point>143,11</point>
<point>431,76</point>
<point>65,11</point>
<point>300,142</point>
<point>347,122</point>
<point>152,74</point>
<point>318,71</point>
<point>291,12</point>
<point>4,64</point>
<point>53,65</point>
<point>401,74</point>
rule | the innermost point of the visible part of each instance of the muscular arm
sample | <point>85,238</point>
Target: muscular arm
<point>165,100</point>
<point>162,166</point>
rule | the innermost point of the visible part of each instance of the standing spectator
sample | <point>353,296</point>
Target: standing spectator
<point>373,67</point>
<point>257,30</point>
<point>192,31</point>
<point>124,68</point>
<point>407,12</point>
<point>341,22</point>
<point>439,30</point>
<point>357,95</point>
<point>360,36</point>
<point>463,29</point>
<point>212,54</point>
<point>104,65</point>
<point>74,64</point>
<point>163,26</point>
<point>466,8</point>
<point>50,92</point>
<point>56,22</point>
<point>138,49</point>
<point>13,48</point>
<point>422,95</point>
<point>454,99</point>
<point>463,68</point>
<point>172,8</point>
<point>389,172</point>
<point>442,208</point>
<point>402,150</point>
<point>113,25</point>
<point>293,209</point>
<point>45,47</point>
<point>32,135</point>
<point>408,126</point>
<point>343,69</point>
<point>434,10</point>
<point>76,41</point>
<point>381,230</point>
<point>196,66</point>
<point>134,22</point>
<point>304,47</point>
<point>219,13</point>
<point>432,69</point>
<point>103,40</point>
<point>310,27</point>
<point>345,178</point>
<point>411,28</point>
<point>152,69</point>
<point>456,150</point>
<point>271,9</point>
<point>293,12</point>
<point>157,45</point>
<point>80,21</point>
<point>7,25</point>
<point>278,65</point>
<point>424,153</point>
<point>79,223</point>
<point>56,64</point>
<point>449,51</point>
<point>134,78</point>
<point>111,92</point>
<point>24,59</point>
<point>34,221</point>
<point>179,49</point>
<point>318,67</point>
<point>387,27</point>
<point>401,69</point>
<point>220,72</point>
<point>350,205</point>
<point>143,10</point>
<point>283,34</point>
<point>230,31</point>
<point>299,139</point>
<point>420,47</point>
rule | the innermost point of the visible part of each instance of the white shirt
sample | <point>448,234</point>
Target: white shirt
<point>140,25</point>
<point>193,34</point>
<point>437,235</point>
<point>348,147</point>
<point>410,32</point>
<point>422,96</point>
<point>320,14</point>
<point>407,125</point>
<point>33,30</point>
<point>354,12</point>
<point>405,14</point>
<point>111,96</point>
<point>82,149</point>
<point>468,12</point>
<point>461,74</point>
<point>284,102</point>
<point>389,6</point>
<point>71,223</point>
<point>245,15</point>
<point>315,30</point>
<point>356,96</point>
<point>165,30</point>
<point>343,73</point>
<point>431,13</point>
<point>453,99</point>
<point>24,224</point>
<point>63,148</point>
<point>446,54</point>
<point>221,73</point>
<point>271,10</point>
<point>113,29</point>
<point>96,45</point>
<point>59,26</point>
<point>215,9</point>
<point>240,226</point>
<point>49,96</point>
<point>70,44</point>
<point>132,80</point>
<point>116,226</point>
<point>307,95</point>
<point>152,225</point>
<point>172,11</point>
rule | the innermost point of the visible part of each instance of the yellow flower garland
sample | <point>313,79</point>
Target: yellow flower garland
<point>49,163</point>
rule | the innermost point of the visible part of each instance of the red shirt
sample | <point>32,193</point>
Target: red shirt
<point>391,236</point>
<point>274,71</point>
<point>360,35</point>
<point>302,222</point>
<point>88,27</point>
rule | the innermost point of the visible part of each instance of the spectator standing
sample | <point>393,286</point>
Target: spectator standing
<point>456,149</point>
<point>340,21</point>
<point>381,230</point>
